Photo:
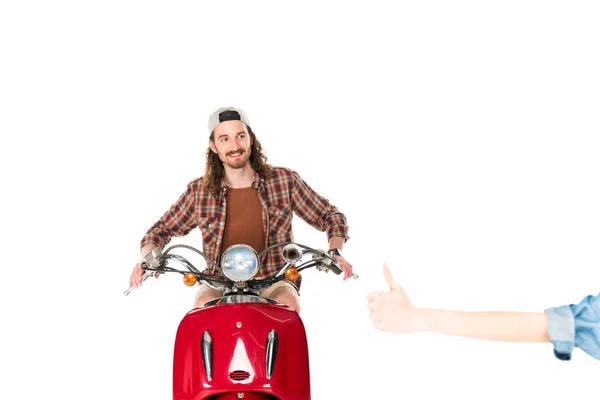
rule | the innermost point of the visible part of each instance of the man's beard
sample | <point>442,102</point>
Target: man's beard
<point>239,163</point>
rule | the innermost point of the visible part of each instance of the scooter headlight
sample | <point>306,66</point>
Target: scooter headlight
<point>239,262</point>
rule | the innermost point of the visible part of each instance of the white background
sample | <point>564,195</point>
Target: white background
<point>461,140</point>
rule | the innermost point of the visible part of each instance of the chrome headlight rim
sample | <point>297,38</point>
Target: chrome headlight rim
<point>246,250</point>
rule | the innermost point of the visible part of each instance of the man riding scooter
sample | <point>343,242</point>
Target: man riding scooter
<point>243,200</point>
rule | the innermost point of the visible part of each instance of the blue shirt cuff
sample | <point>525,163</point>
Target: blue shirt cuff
<point>561,329</point>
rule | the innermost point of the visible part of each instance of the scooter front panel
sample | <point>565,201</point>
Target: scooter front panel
<point>239,336</point>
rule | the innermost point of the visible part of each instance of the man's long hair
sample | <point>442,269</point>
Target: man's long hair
<point>215,171</point>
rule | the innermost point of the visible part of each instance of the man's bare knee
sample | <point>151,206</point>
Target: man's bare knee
<point>205,295</point>
<point>287,298</point>
<point>202,300</point>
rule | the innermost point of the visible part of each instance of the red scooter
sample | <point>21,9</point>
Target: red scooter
<point>241,345</point>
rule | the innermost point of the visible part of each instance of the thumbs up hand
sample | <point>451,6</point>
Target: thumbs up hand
<point>391,311</point>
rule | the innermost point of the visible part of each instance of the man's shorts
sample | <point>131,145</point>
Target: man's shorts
<point>267,292</point>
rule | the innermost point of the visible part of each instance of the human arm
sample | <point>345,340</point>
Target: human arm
<point>566,326</point>
<point>318,212</point>
<point>505,326</point>
<point>393,312</point>
<point>178,221</point>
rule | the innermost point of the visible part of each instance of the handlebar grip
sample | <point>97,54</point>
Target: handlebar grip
<point>147,274</point>
<point>333,265</point>
<point>335,269</point>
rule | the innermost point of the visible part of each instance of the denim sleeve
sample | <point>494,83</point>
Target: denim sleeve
<point>575,325</point>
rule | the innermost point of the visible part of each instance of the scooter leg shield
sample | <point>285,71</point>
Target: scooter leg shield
<point>251,348</point>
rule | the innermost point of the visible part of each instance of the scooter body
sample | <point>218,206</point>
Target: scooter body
<point>241,346</point>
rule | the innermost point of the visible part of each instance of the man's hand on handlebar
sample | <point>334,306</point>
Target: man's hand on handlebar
<point>345,266</point>
<point>135,280</point>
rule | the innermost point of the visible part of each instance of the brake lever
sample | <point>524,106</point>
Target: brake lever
<point>147,274</point>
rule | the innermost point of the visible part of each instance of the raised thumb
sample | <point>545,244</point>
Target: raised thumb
<point>390,280</point>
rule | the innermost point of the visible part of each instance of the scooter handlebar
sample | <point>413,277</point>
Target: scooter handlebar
<point>155,264</point>
<point>334,267</point>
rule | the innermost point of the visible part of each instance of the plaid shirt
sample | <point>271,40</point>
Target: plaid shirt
<point>280,197</point>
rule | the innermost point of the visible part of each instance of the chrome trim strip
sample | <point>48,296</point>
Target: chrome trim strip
<point>207,355</point>
<point>239,298</point>
<point>271,352</point>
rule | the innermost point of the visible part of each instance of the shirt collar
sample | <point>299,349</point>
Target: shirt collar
<point>257,180</point>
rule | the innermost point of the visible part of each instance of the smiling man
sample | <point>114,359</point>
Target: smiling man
<point>243,200</point>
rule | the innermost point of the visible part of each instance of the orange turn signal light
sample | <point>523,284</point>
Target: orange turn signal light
<point>291,274</point>
<point>190,279</point>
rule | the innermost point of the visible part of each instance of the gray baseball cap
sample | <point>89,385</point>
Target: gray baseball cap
<point>235,114</point>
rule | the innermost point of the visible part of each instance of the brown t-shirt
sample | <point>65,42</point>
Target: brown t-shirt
<point>244,222</point>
